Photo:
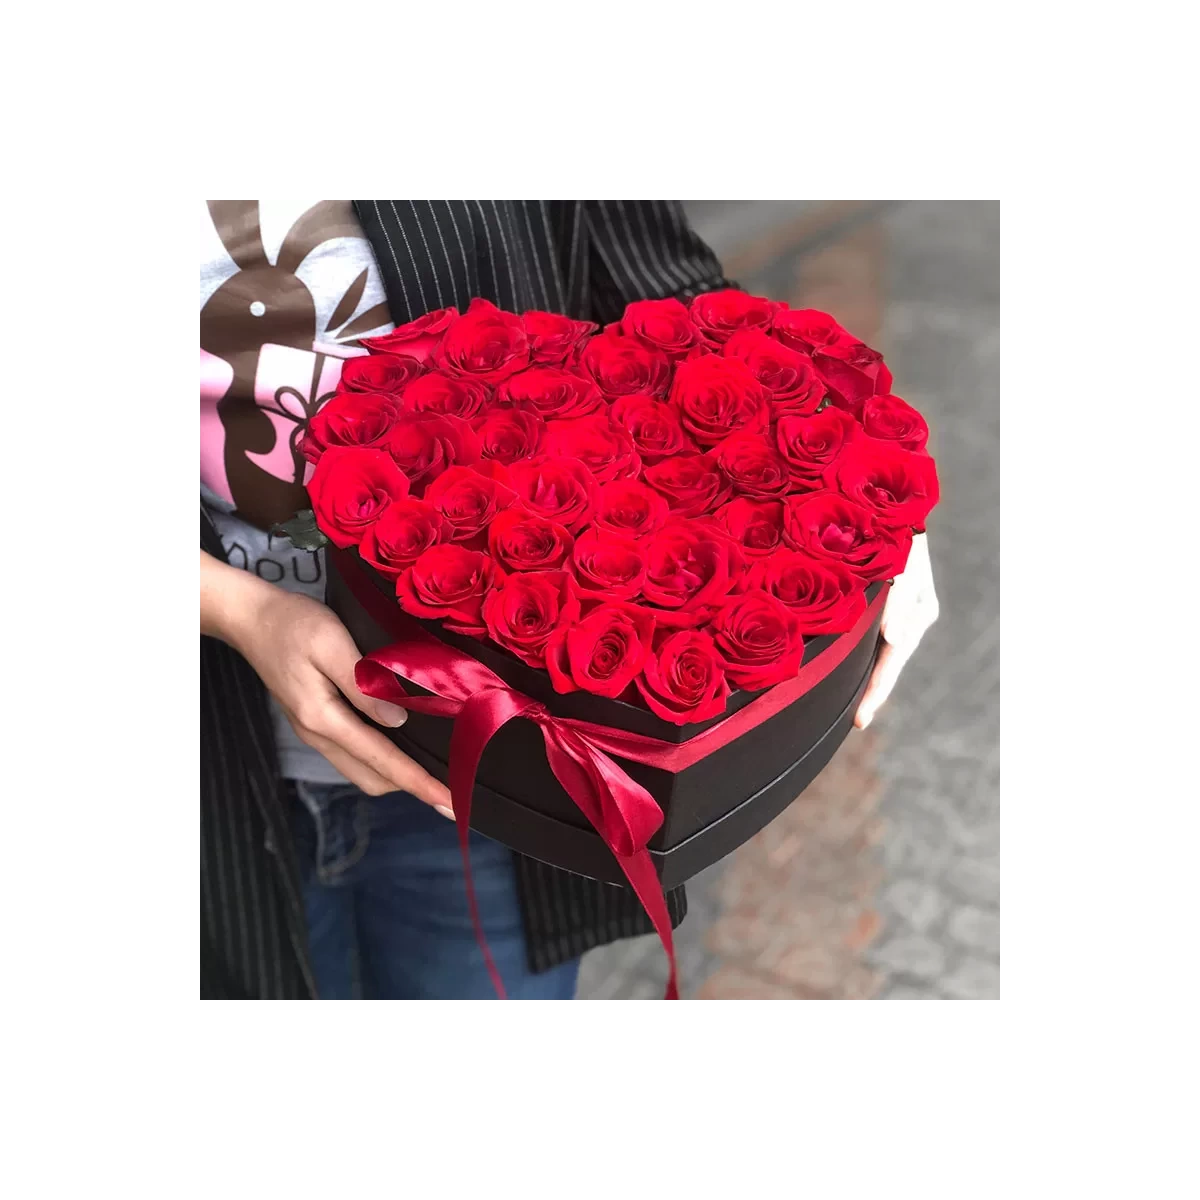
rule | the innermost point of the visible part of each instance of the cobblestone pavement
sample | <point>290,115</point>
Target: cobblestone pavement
<point>882,880</point>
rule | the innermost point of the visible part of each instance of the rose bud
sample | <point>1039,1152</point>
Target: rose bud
<point>418,339</point>
<point>663,324</point>
<point>448,583</point>
<point>351,419</point>
<point>520,541</point>
<point>552,393</point>
<point>791,380</point>
<point>760,640</point>
<point>654,427</point>
<point>892,420</point>
<point>755,525</point>
<point>469,501</point>
<point>602,653</point>
<point>752,466</point>
<point>507,435</point>
<point>450,395</point>
<point>608,565</point>
<point>350,490</point>
<point>810,444</point>
<point>720,315</point>
<point>485,344</point>
<point>555,488</point>
<point>717,396</point>
<point>691,484</point>
<point>629,507</point>
<point>404,531</point>
<point>829,526</point>
<point>426,444</point>
<point>853,373</point>
<point>379,373</point>
<point>824,595</point>
<point>684,679</point>
<point>806,329</point>
<point>622,366</point>
<point>606,449</point>
<point>524,610</point>
<point>900,487</point>
<point>689,570</point>
<point>554,338</point>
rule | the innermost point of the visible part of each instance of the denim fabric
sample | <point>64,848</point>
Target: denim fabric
<point>386,903</point>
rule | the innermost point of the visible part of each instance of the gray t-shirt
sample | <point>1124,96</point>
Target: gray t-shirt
<point>286,290</point>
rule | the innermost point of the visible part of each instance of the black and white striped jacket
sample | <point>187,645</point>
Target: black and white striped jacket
<point>585,258</point>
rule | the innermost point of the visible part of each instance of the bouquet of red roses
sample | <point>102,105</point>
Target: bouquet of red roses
<point>660,511</point>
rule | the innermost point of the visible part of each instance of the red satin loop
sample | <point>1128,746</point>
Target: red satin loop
<point>480,702</point>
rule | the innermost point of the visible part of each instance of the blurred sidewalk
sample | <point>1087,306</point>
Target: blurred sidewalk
<point>882,880</point>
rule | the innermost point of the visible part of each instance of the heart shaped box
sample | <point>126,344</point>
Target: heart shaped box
<point>709,809</point>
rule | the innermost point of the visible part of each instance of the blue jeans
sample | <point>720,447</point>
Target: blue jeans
<point>387,907</point>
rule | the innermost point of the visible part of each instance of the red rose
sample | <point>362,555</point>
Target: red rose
<point>663,324</point>
<point>608,565</point>
<point>525,610</point>
<point>450,395</point>
<point>607,450</point>
<point>810,444</point>
<point>603,653</point>
<point>425,444</point>
<point>469,501</point>
<point>722,314</point>
<point>351,419</point>
<point>654,426</point>
<point>790,378</point>
<point>718,396</point>
<point>900,487</point>
<point>509,434</point>
<point>805,329</point>
<point>760,640</point>
<point>402,534</point>
<point>752,465</point>
<point>553,338</point>
<point>621,366</point>
<point>551,393</point>
<point>379,373</point>
<point>756,525</point>
<point>350,490</point>
<point>823,594</point>
<point>520,541</point>
<point>892,420</point>
<point>853,373</point>
<point>485,343</point>
<point>629,507</point>
<point>689,569</point>
<point>448,584</point>
<point>418,339</point>
<point>555,488</point>
<point>690,484</point>
<point>829,526</point>
<point>684,679</point>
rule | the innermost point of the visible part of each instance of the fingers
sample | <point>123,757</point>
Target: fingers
<point>883,678</point>
<point>336,656</point>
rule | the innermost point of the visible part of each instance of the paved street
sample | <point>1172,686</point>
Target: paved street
<point>882,880</point>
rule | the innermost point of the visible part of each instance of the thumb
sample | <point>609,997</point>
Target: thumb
<point>337,659</point>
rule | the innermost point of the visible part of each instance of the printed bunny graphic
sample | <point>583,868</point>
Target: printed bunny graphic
<point>271,382</point>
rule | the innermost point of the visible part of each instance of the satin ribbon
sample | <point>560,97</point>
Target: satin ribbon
<point>480,702</point>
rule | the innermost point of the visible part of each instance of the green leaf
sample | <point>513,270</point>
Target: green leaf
<point>301,531</point>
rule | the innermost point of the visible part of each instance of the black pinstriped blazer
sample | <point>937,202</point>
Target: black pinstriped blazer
<point>585,258</point>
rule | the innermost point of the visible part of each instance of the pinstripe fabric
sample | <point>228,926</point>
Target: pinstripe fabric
<point>585,258</point>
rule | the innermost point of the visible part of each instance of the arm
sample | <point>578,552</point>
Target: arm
<point>645,250</point>
<point>305,657</point>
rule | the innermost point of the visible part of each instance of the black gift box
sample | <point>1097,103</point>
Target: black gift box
<point>709,809</point>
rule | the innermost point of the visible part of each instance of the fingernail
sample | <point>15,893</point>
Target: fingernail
<point>446,812</point>
<point>865,721</point>
<point>389,714</point>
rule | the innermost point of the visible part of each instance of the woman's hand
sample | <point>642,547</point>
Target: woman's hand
<point>911,608</point>
<point>305,656</point>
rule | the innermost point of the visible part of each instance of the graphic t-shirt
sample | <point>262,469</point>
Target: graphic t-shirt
<point>286,289</point>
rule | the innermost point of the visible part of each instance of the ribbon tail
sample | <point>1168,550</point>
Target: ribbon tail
<point>643,878</point>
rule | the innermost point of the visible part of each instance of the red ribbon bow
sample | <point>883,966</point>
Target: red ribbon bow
<point>480,702</point>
